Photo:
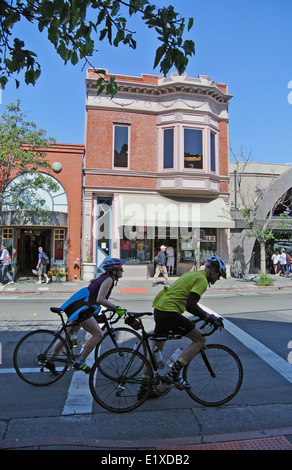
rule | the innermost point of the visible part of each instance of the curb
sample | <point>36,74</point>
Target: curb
<point>262,440</point>
<point>145,291</point>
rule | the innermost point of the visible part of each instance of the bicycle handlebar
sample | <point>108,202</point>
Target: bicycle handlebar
<point>208,328</point>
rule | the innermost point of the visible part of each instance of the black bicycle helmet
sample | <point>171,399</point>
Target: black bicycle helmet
<point>219,264</point>
<point>111,264</point>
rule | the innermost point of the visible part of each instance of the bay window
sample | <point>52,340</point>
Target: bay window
<point>193,148</point>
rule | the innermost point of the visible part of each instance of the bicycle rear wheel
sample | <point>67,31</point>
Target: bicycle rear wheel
<point>215,375</point>
<point>124,338</point>
<point>33,358</point>
<point>114,384</point>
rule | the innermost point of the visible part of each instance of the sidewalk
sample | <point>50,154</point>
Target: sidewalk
<point>28,285</point>
<point>271,439</point>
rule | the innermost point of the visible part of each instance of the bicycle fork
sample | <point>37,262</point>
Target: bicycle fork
<point>123,377</point>
<point>207,363</point>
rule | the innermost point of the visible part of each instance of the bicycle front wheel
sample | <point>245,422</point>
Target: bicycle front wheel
<point>33,359</point>
<point>215,375</point>
<point>120,337</point>
<point>114,384</point>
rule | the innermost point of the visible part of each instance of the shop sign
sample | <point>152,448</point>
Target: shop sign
<point>209,238</point>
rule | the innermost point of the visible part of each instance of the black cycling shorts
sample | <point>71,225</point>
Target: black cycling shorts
<point>171,321</point>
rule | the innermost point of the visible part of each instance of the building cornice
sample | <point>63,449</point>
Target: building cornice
<point>176,84</point>
<point>177,92</point>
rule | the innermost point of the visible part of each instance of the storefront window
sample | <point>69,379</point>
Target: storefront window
<point>204,241</point>
<point>7,240</point>
<point>59,245</point>
<point>135,248</point>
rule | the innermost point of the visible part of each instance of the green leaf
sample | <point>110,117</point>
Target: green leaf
<point>159,54</point>
<point>190,23</point>
<point>74,58</point>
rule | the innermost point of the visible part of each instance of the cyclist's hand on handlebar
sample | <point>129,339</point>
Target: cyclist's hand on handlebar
<point>121,311</point>
<point>216,321</point>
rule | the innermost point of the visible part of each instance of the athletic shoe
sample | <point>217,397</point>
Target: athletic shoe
<point>51,367</point>
<point>178,382</point>
<point>84,367</point>
<point>143,390</point>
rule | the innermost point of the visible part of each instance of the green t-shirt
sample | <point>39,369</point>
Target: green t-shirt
<point>174,298</point>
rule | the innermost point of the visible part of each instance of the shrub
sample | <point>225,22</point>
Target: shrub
<point>265,280</point>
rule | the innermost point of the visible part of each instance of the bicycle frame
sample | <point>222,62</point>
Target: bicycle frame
<point>101,318</point>
<point>117,384</point>
<point>107,324</point>
<point>171,336</point>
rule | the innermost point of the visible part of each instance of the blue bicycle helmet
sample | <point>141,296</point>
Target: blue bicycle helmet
<point>112,263</point>
<point>219,264</point>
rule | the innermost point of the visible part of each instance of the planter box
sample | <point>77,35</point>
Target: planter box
<point>59,278</point>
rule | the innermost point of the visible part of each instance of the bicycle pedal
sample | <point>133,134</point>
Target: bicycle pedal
<point>166,384</point>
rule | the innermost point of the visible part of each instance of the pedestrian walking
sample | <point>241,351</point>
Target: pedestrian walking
<point>276,262</point>
<point>196,261</point>
<point>170,260</point>
<point>41,266</point>
<point>283,262</point>
<point>5,261</point>
<point>161,266</point>
<point>288,263</point>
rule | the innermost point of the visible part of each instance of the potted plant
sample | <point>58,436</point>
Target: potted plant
<point>52,273</point>
<point>61,275</point>
<point>57,274</point>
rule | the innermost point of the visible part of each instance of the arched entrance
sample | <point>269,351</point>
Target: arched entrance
<point>43,222</point>
<point>279,188</point>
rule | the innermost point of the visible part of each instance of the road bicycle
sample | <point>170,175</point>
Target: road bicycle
<point>33,355</point>
<point>116,383</point>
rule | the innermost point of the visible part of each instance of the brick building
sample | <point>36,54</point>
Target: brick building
<point>155,171</point>
<point>58,230</point>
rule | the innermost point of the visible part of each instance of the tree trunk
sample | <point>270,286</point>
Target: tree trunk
<point>263,257</point>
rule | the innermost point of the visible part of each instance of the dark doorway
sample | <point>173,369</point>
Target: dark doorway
<point>28,241</point>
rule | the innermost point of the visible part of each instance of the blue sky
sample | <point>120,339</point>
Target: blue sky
<point>246,44</point>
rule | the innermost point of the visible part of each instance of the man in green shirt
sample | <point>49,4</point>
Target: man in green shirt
<point>171,303</point>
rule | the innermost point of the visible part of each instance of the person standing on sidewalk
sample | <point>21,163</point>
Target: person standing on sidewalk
<point>5,263</point>
<point>161,266</point>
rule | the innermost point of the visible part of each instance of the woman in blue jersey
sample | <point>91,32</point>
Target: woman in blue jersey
<point>87,301</point>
